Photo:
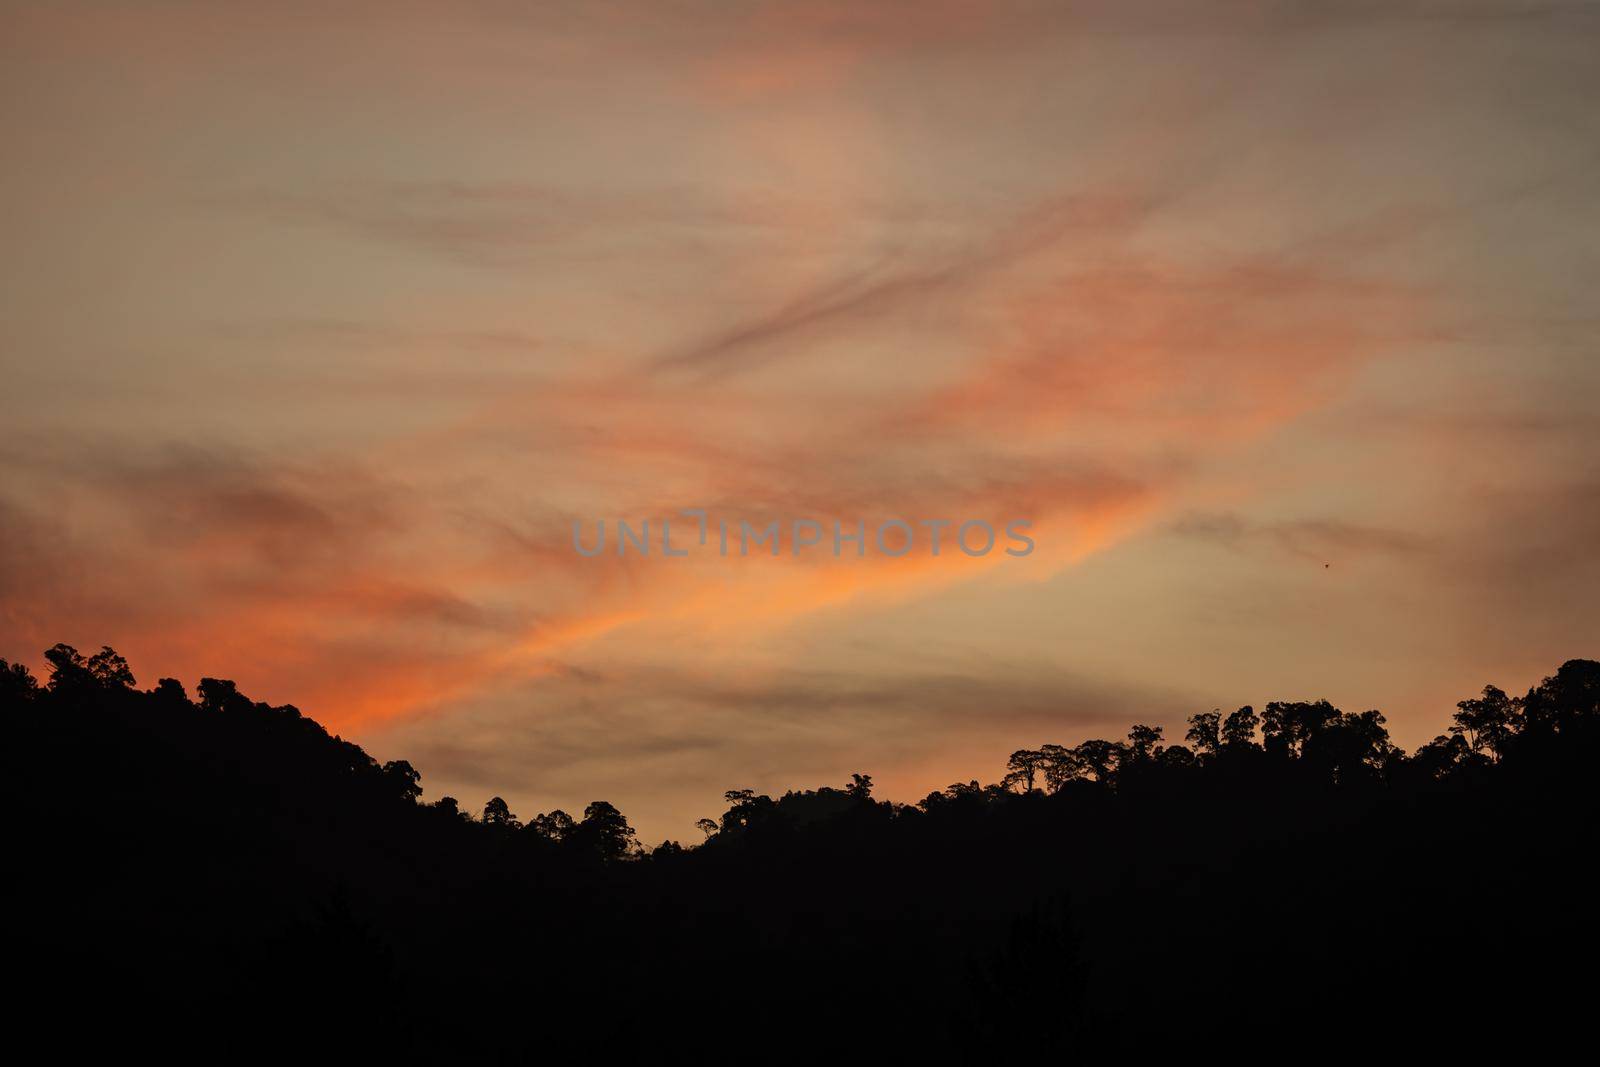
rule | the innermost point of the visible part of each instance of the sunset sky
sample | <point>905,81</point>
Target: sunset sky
<point>321,324</point>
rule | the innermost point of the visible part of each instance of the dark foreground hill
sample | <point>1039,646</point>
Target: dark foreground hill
<point>222,878</point>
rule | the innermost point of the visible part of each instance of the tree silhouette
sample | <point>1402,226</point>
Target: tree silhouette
<point>1345,746</point>
<point>1239,731</point>
<point>449,806</point>
<point>1566,702</point>
<point>497,813</point>
<point>1100,759</point>
<point>604,831</point>
<point>1488,721</point>
<point>1144,743</point>
<point>1444,756</point>
<point>555,826</point>
<point>1060,765</point>
<point>252,867</point>
<point>1287,725</point>
<point>110,669</point>
<point>1024,767</point>
<point>404,779</point>
<point>1204,732</point>
<point>17,685</point>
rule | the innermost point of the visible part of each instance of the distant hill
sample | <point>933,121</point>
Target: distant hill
<point>218,876</point>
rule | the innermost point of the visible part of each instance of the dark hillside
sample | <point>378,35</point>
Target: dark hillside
<point>222,871</point>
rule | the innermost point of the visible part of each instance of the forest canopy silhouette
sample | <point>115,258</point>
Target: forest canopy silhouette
<point>230,867</point>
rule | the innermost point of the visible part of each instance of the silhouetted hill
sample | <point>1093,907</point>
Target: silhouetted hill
<point>218,876</point>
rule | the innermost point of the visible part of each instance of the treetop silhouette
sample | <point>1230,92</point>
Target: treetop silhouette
<point>255,863</point>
